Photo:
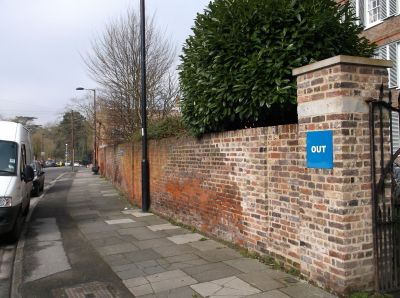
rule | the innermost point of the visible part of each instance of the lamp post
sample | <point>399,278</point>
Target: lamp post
<point>72,140</point>
<point>95,168</point>
<point>66,154</point>
<point>145,163</point>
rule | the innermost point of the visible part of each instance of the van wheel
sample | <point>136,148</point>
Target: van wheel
<point>13,235</point>
<point>35,190</point>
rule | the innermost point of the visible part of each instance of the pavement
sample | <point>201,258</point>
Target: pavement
<point>94,244</point>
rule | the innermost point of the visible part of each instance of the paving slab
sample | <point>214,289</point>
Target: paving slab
<point>304,290</point>
<point>211,271</point>
<point>184,264</point>
<point>218,255</point>
<point>117,249</point>
<point>262,280</point>
<point>169,280</point>
<point>179,231</point>
<point>81,212</point>
<point>140,233</point>
<point>154,269</point>
<point>207,245</point>
<point>146,264</point>
<point>135,282</point>
<point>130,273</point>
<point>119,221</point>
<point>153,243</point>
<point>226,287</point>
<point>186,238</point>
<point>107,241</point>
<point>111,214</point>
<point>137,213</point>
<point>154,220</point>
<point>124,267</point>
<point>160,282</point>
<point>95,227</point>
<point>141,290</point>
<point>183,292</point>
<point>111,190</point>
<point>182,258</point>
<point>174,250</point>
<point>162,227</point>
<point>116,260</point>
<point>110,194</point>
<point>270,294</point>
<point>47,245</point>
<point>166,285</point>
<point>135,224</point>
<point>142,255</point>
<point>246,265</point>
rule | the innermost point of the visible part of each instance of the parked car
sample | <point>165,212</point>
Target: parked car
<point>16,177</point>
<point>50,163</point>
<point>60,163</point>
<point>38,179</point>
<point>67,164</point>
<point>76,164</point>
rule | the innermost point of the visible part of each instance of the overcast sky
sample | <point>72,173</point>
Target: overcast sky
<point>41,42</point>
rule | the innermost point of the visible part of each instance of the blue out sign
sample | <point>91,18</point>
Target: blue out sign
<point>320,149</point>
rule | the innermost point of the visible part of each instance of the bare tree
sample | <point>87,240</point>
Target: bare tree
<point>114,64</point>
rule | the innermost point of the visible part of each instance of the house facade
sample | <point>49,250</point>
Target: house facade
<point>381,21</point>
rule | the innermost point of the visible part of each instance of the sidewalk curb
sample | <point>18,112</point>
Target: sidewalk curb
<point>19,253</point>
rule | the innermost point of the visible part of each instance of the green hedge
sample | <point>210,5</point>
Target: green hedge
<point>236,67</point>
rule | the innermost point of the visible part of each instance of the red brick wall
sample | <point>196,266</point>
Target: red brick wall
<point>239,186</point>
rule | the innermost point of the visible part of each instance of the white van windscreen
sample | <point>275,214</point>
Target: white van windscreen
<point>8,158</point>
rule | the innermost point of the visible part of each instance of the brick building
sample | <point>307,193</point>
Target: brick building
<point>381,21</point>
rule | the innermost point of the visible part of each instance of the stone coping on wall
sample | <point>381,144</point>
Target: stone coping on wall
<point>342,59</point>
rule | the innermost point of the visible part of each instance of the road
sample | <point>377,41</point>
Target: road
<point>7,251</point>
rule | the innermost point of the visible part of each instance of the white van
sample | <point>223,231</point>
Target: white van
<point>16,177</point>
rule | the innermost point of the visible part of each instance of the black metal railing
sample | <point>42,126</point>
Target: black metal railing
<point>385,179</point>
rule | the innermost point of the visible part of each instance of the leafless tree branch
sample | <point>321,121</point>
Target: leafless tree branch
<point>114,63</point>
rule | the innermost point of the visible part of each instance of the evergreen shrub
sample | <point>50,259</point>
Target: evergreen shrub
<point>236,69</point>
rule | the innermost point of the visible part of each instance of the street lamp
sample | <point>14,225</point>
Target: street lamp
<point>95,168</point>
<point>66,154</point>
<point>145,163</point>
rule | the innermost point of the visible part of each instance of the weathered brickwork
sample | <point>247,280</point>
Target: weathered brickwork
<point>252,186</point>
<point>219,184</point>
<point>335,204</point>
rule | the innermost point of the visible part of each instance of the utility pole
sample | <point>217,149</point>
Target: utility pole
<point>145,163</point>
<point>96,169</point>
<point>73,140</point>
<point>66,154</point>
<point>42,148</point>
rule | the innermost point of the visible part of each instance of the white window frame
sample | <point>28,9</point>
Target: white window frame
<point>370,23</point>
<point>365,12</point>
